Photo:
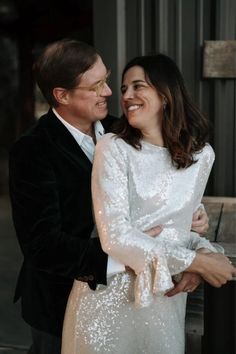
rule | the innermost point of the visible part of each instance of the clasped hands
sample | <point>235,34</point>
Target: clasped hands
<point>214,268</point>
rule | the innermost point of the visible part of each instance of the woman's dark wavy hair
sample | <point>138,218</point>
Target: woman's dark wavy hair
<point>184,128</point>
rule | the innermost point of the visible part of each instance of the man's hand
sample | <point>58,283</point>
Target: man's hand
<point>215,268</point>
<point>188,283</point>
<point>200,222</point>
<point>155,231</point>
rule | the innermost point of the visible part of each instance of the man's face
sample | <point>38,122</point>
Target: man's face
<point>88,101</point>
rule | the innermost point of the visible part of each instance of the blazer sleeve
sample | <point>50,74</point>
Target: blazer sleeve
<point>205,162</point>
<point>119,238</point>
<point>37,216</point>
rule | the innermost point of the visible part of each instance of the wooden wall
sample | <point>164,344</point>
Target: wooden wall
<point>126,28</point>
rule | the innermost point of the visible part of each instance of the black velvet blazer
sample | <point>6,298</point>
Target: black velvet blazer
<point>50,190</point>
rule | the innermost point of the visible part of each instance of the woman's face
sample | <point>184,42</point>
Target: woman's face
<point>141,103</point>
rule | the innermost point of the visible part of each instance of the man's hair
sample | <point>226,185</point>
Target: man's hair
<point>62,64</point>
<point>184,128</point>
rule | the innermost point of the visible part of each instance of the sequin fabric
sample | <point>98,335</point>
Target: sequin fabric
<point>134,191</point>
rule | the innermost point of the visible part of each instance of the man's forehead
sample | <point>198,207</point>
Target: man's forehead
<point>94,74</point>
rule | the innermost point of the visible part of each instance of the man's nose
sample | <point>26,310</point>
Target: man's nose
<point>106,91</point>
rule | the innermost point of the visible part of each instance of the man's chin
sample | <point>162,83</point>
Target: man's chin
<point>103,114</point>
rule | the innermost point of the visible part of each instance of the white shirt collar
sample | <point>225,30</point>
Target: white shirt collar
<point>77,134</point>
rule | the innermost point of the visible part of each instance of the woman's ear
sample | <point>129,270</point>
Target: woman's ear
<point>61,95</point>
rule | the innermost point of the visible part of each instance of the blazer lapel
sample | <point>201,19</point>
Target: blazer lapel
<point>64,141</point>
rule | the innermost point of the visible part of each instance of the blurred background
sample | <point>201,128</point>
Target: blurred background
<point>187,30</point>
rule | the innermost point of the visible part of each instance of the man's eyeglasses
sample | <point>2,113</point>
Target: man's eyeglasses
<point>98,87</point>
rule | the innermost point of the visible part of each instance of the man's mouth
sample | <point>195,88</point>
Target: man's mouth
<point>102,104</point>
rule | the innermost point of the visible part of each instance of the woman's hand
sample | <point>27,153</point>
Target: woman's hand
<point>188,283</point>
<point>200,221</point>
<point>215,268</point>
<point>154,231</point>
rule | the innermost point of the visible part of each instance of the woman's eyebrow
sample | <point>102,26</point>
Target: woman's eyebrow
<point>135,82</point>
<point>139,80</point>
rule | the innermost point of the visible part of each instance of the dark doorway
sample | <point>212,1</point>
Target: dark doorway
<point>26,26</point>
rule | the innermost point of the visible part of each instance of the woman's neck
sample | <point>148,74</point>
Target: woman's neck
<point>153,136</point>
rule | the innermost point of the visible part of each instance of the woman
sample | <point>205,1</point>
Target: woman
<point>152,171</point>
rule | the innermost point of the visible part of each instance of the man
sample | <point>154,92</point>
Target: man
<point>50,171</point>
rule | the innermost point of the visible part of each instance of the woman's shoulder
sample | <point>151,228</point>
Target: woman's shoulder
<point>106,138</point>
<point>207,153</point>
<point>111,148</point>
<point>208,150</point>
<point>110,141</point>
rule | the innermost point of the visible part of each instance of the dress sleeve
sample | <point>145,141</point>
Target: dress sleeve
<point>119,238</point>
<point>150,260</point>
<point>205,162</point>
<point>197,242</point>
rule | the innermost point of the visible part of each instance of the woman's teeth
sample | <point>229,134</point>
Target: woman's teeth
<point>134,107</point>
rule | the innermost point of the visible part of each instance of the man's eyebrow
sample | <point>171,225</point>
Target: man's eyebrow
<point>107,73</point>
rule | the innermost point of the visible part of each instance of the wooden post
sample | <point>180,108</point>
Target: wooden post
<point>220,303</point>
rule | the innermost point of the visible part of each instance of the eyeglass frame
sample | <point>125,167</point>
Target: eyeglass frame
<point>97,86</point>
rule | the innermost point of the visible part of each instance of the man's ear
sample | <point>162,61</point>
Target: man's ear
<point>61,95</point>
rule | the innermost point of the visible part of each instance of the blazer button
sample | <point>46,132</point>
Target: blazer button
<point>90,277</point>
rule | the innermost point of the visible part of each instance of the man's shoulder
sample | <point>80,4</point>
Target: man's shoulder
<point>31,139</point>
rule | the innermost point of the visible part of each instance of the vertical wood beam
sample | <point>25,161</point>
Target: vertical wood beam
<point>110,41</point>
<point>225,106</point>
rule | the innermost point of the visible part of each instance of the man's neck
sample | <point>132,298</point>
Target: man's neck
<point>83,126</point>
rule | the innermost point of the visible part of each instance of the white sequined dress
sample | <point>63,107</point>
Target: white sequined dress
<point>134,190</point>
